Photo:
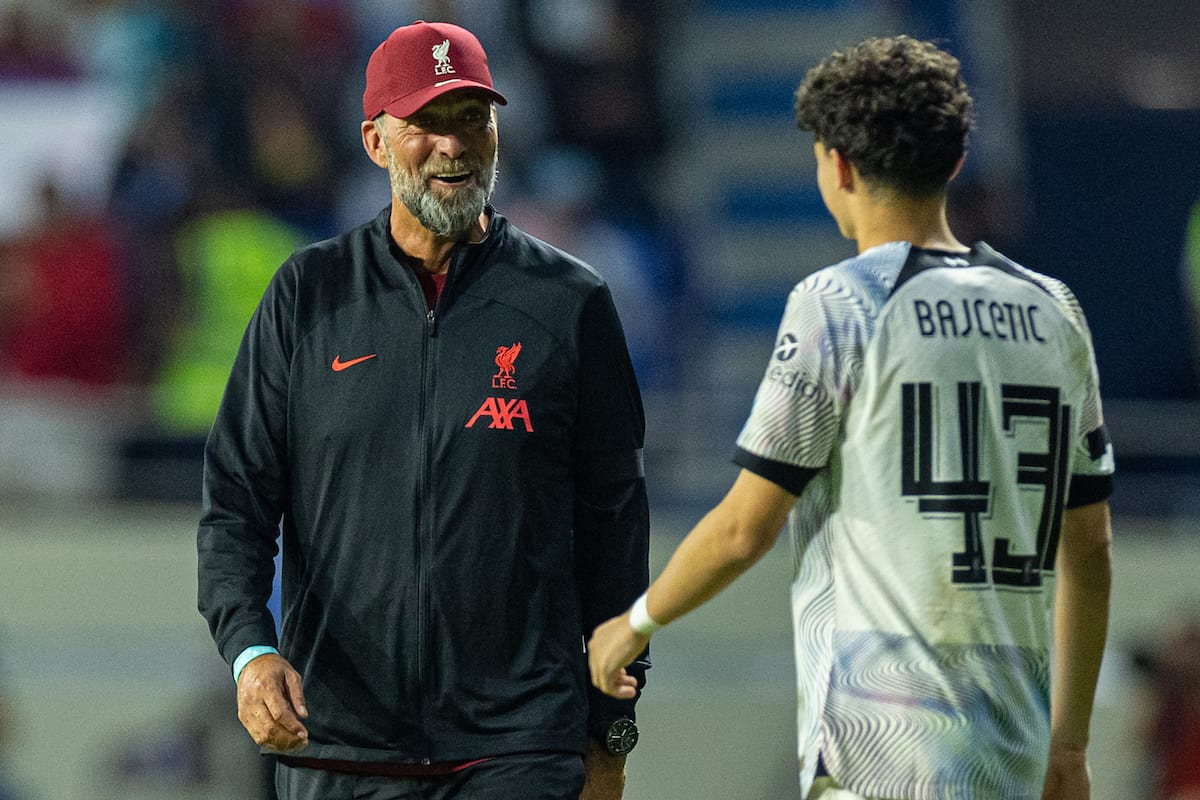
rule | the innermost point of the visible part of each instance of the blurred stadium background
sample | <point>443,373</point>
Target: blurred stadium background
<point>161,158</point>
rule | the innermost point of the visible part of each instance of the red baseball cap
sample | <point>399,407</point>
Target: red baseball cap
<point>418,62</point>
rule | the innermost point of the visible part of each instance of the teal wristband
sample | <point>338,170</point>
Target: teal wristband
<point>248,655</point>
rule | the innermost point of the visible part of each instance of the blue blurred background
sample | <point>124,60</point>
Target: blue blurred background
<point>161,158</point>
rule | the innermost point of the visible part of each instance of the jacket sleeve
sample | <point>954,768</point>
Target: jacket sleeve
<point>611,517</point>
<point>244,490</point>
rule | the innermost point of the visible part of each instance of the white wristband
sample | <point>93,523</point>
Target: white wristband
<point>640,619</point>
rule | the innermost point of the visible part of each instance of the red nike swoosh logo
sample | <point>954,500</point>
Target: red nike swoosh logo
<point>339,365</point>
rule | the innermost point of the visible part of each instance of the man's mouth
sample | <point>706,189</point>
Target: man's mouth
<point>452,178</point>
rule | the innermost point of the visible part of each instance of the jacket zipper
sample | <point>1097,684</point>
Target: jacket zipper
<point>425,541</point>
<point>425,536</point>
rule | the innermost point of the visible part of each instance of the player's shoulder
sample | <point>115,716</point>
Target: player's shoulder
<point>1052,286</point>
<point>877,264</point>
<point>866,277</point>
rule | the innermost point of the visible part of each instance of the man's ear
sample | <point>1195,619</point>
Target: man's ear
<point>372,139</point>
<point>846,174</point>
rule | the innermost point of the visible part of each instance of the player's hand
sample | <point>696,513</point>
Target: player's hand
<point>1067,777</point>
<point>271,703</point>
<point>613,646</point>
<point>604,774</point>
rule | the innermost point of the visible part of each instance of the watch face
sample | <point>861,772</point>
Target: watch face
<point>622,736</point>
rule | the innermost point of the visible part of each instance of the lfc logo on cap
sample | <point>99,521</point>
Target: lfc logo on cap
<point>441,53</point>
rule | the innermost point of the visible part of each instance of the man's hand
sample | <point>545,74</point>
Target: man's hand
<point>1068,777</point>
<point>613,646</point>
<point>605,773</point>
<point>271,703</point>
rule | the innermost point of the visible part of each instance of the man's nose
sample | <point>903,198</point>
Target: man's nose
<point>450,144</point>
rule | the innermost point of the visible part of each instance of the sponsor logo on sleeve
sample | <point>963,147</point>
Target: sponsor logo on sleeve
<point>786,347</point>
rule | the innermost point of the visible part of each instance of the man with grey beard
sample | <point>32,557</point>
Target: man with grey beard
<point>455,213</point>
<point>436,415</point>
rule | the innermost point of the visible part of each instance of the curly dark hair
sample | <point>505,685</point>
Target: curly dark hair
<point>896,108</point>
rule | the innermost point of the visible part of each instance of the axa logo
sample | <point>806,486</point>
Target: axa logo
<point>441,55</point>
<point>505,356</point>
<point>503,412</point>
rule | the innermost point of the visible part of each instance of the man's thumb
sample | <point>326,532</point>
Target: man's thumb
<point>295,692</point>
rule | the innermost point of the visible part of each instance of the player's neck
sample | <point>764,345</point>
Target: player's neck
<point>918,221</point>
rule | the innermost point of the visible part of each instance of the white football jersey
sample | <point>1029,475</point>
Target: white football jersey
<point>936,412</point>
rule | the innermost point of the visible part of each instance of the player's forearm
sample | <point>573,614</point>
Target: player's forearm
<point>1080,624</point>
<point>1081,621</point>
<point>724,544</point>
<point>701,567</point>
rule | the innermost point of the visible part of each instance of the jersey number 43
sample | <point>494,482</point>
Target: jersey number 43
<point>970,496</point>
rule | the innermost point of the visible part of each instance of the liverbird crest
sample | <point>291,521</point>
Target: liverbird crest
<point>441,53</point>
<point>505,356</point>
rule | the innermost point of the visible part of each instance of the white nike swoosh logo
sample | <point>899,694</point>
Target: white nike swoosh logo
<point>443,83</point>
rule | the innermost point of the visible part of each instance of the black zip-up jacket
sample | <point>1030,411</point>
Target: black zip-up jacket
<point>461,495</point>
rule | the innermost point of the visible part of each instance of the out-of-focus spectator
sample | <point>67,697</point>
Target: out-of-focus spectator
<point>292,166</point>
<point>226,257</point>
<point>154,189</point>
<point>1172,664</point>
<point>293,61</point>
<point>600,63</point>
<point>60,295</point>
<point>222,253</point>
<point>62,352</point>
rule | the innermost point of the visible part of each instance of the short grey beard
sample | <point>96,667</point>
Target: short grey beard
<point>445,217</point>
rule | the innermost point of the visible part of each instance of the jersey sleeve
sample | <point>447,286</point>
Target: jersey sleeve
<point>794,422</point>
<point>1092,463</point>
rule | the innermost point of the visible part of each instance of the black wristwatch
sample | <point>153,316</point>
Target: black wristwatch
<point>621,736</point>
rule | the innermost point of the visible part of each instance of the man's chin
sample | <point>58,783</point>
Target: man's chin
<point>468,208</point>
<point>451,225</point>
